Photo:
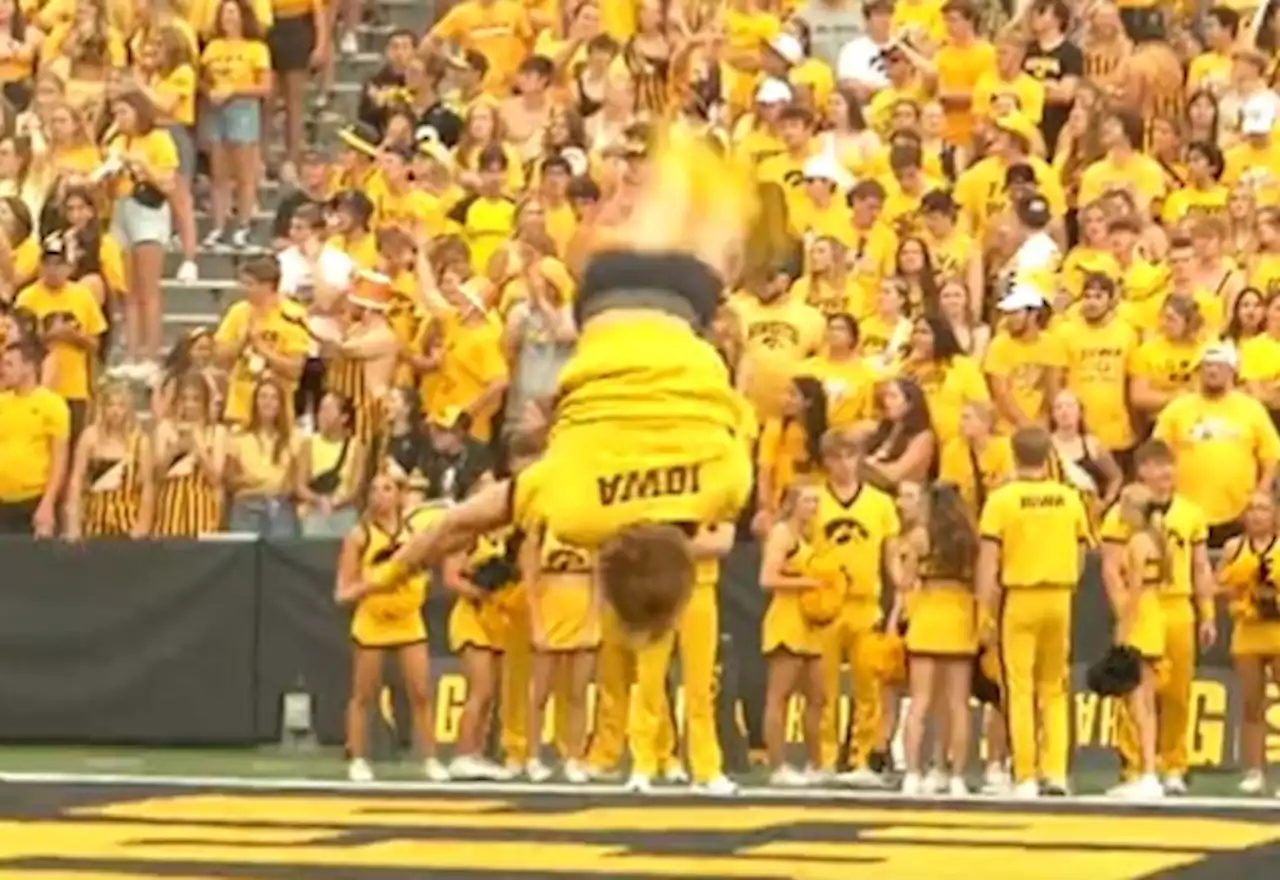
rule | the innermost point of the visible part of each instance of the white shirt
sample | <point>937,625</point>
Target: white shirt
<point>334,270</point>
<point>860,62</point>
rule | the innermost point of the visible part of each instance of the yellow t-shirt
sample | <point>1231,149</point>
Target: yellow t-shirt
<point>850,386</point>
<point>293,8</point>
<point>976,473</point>
<point>234,65</point>
<point>413,211</point>
<point>265,466</point>
<point>1259,168</point>
<point>959,69</point>
<point>1185,527</point>
<point>155,149</point>
<point>73,303</point>
<point>1191,202</point>
<point>1141,175</point>
<point>29,423</point>
<point>852,534</point>
<point>1026,90</point>
<point>281,327</point>
<point>472,360</point>
<point>486,223</point>
<point>1260,359</point>
<point>1024,366</point>
<point>981,194</point>
<point>203,15</point>
<point>1099,360</point>
<point>1218,445</point>
<point>779,335</point>
<point>1039,525</point>
<point>1167,365</point>
<point>947,388</point>
<point>500,31</point>
<point>180,83</point>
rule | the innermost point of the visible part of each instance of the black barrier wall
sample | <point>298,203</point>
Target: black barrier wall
<point>195,643</point>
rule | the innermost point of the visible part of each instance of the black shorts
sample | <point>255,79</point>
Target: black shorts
<point>292,40</point>
<point>15,516</point>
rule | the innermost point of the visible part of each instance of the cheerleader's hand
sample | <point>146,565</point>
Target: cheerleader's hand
<point>350,592</point>
<point>1208,631</point>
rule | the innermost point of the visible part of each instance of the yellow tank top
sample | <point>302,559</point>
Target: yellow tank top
<point>380,546</point>
<point>1252,574</point>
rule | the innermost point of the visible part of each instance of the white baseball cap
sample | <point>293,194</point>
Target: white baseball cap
<point>1023,296</point>
<point>773,91</point>
<point>788,48</point>
<point>1220,353</point>
<point>1258,116</point>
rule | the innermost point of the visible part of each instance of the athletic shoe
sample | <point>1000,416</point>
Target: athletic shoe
<point>1175,784</point>
<point>787,776</point>
<point>187,273</point>
<point>358,770</point>
<point>1143,788</point>
<point>600,774</point>
<point>1253,783</point>
<point>934,782</point>
<point>863,777</point>
<point>913,785</point>
<point>1055,788</point>
<point>434,770</point>
<point>575,773</point>
<point>639,784</point>
<point>473,768</point>
<point>1026,791</point>
<point>997,780</point>
<point>675,774</point>
<point>720,786</point>
<point>818,776</point>
<point>240,239</point>
<point>957,787</point>
<point>537,771</point>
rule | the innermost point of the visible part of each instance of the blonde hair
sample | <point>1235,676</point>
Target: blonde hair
<point>107,392</point>
<point>1138,509</point>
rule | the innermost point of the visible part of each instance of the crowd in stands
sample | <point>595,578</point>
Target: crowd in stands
<point>976,219</point>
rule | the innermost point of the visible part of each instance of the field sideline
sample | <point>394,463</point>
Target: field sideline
<point>143,815</point>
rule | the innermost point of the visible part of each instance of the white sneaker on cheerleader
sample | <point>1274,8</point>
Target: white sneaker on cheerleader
<point>639,784</point>
<point>359,771</point>
<point>934,782</point>
<point>1252,783</point>
<point>787,776</point>
<point>1175,784</point>
<point>863,777</point>
<point>1140,788</point>
<point>537,771</point>
<point>434,771</point>
<point>675,774</point>
<point>1026,791</point>
<point>575,773</point>
<point>997,780</point>
<point>720,786</point>
<point>819,776</point>
<point>913,785</point>
<point>957,787</point>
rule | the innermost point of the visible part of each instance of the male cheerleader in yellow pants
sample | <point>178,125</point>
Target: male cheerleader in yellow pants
<point>698,632</point>
<point>1034,531</point>
<point>1187,596</point>
<point>647,437</point>
<point>857,532</point>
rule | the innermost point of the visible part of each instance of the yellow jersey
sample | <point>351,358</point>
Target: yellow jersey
<point>1040,526</point>
<point>1185,529</point>
<point>851,533</point>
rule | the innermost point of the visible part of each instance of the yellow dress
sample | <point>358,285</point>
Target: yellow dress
<point>391,619</point>
<point>1147,634</point>
<point>482,624</point>
<point>568,613</point>
<point>943,615</point>
<point>1251,577</point>
<point>785,627</point>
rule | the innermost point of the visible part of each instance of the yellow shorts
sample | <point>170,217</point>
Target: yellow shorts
<point>387,626</point>
<point>1147,633</point>
<point>647,428</point>
<point>786,629</point>
<point>475,625</point>
<point>943,622</point>
<point>568,616</point>
<point>1255,638</point>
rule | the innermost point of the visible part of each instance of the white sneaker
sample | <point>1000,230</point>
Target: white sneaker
<point>575,773</point>
<point>537,771</point>
<point>434,770</point>
<point>188,273</point>
<point>997,780</point>
<point>863,777</point>
<point>473,768</point>
<point>913,785</point>
<point>1175,784</point>
<point>1141,788</point>
<point>600,774</point>
<point>957,787</point>
<point>819,776</point>
<point>787,776</point>
<point>675,774</point>
<point>934,782</point>
<point>358,770</point>
<point>1026,791</point>
<point>349,45</point>
<point>720,786</point>
<point>1253,783</point>
<point>639,784</point>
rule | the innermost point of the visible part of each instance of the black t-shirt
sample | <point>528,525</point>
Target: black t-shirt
<point>1050,66</point>
<point>369,112</point>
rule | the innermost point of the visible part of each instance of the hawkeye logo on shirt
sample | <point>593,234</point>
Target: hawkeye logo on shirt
<point>563,560</point>
<point>843,531</point>
<point>1213,429</point>
<point>1043,67</point>
<point>649,483</point>
<point>774,334</point>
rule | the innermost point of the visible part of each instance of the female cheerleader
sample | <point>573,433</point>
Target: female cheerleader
<point>942,637</point>
<point>564,616</point>
<point>190,457</point>
<point>789,641</point>
<point>111,490</point>
<point>1249,572</point>
<point>1140,625</point>
<point>386,620</point>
